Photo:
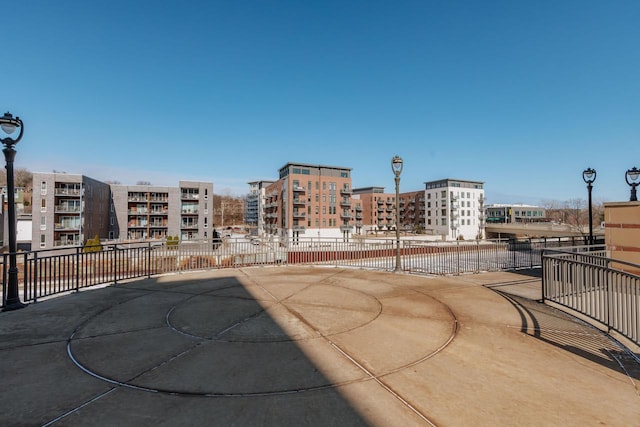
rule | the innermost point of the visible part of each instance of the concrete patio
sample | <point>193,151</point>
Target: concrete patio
<point>312,346</point>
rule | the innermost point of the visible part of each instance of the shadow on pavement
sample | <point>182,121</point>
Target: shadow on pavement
<point>188,352</point>
<point>561,330</point>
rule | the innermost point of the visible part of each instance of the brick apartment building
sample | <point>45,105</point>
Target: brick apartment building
<point>318,201</point>
<point>310,201</point>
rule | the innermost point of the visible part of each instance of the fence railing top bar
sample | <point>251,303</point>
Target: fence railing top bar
<point>593,251</point>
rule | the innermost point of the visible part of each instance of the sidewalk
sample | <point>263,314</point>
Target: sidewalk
<point>311,346</point>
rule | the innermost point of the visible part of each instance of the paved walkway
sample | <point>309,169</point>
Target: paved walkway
<point>312,346</point>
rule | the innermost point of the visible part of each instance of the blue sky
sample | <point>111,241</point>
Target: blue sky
<point>523,95</point>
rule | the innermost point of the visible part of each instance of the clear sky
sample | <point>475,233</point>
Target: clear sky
<point>523,95</point>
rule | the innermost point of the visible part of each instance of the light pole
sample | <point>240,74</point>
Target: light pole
<point>632,179</point>
<point>396,167</point>
<point>588,176</point>
<point>9,124</point>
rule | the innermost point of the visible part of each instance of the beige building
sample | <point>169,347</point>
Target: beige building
<point>622,233</point>
<point>310,201</point>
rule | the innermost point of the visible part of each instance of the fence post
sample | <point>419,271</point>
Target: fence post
<point>149,260</point>
<point>77,263</point>
<point>35,276</point>
<point>115,264</point>
<point>25,277</point>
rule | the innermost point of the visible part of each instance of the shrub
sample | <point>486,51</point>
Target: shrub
<point>93,245</point>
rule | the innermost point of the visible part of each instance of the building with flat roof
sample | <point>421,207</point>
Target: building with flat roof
<point>454,208</point>
<point>254,205</point>
<point>310,201</point>
<point>69,209</point>
<point>511,213</point>
<point>377,209</point>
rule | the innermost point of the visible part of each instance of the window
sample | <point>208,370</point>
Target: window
<point>43,241</point>
<point>206,193</point>
<point>206,222</point>
<point>43,188</point>
<point>111,220</point>
<point>43,223</point>
<point>43,206</point>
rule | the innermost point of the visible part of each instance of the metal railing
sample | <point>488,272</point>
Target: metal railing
<point>590,283</point>
<point>48,272</point>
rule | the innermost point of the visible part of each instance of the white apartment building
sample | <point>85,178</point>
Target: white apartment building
<point>454,208</point>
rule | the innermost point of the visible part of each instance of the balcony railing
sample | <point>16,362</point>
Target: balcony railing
<point>66,209</point>
<point>67,192</point>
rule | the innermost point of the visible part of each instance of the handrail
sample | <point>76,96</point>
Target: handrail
<point>595,286</point>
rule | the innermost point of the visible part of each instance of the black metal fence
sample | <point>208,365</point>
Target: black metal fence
<point>49,272</point>
<point>598,287</point>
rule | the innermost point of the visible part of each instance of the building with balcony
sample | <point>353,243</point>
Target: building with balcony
<point>254,205</point>
<point>310,201</point>
<point>454,208</point>
<point>141,212</point>
<point>377,209</point>
<point>70,209</point>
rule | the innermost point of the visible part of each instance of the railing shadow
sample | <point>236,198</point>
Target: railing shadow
<point>561,330</point>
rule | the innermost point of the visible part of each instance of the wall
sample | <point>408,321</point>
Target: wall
<point>622,233</point>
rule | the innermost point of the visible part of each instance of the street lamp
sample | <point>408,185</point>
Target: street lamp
<point>9,124</point>
<point>632,179</point>
<point>396,167</point>
<point>588,176</point>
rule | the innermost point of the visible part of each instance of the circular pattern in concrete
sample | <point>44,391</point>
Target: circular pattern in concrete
<point>239,335</point>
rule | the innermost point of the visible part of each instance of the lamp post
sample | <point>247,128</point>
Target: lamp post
<point>588,176</point>
<point>632,179</point>
<point>396,167</point>
<point>9,124</point>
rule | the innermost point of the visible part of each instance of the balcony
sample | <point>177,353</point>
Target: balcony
<point>297,201</point>
<point>346,227</point>
<point>346,203</point>
<point>299,214</point>
<point>298,189</point>
<point>189,225</point>
<point>345,215</point>
<point>358,208</point>
<point>346,191</point>
<point>67,242</point>
<point>66,209</point>
<point>189,196</point>
<point>189,211</point>
<point>66,226</point>
<point>74,192</point>
<point>299,228</point>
